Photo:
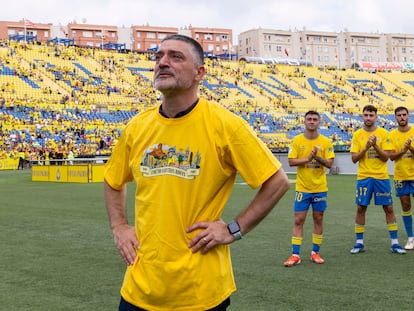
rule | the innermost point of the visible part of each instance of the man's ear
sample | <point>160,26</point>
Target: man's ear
<point>200,72</point>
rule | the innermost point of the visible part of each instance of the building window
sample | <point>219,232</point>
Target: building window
<point>151,35</point>
<point>89,34</point>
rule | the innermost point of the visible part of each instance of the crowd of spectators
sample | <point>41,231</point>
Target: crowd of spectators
<point>80,111</point>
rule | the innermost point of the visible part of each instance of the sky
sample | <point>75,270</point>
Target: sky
<point>382,16</point>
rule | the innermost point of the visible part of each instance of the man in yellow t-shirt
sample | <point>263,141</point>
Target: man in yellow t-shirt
<point>402,155</point>
<point>371,149</point>
<point>312,153</point>
<point>184,156</point>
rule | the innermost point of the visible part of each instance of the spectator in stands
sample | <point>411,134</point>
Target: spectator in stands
<point>22,155</point>
<point>402,155</point>
<point>371,148</point>
<point>311,153</point>
<point>177,252</point>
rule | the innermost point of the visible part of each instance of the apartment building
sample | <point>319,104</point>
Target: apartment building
<point>340,49</point>
<point>215,41</point>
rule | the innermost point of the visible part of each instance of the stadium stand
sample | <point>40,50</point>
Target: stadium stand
<point>57,98</point>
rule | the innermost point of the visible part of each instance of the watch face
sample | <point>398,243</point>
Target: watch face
<point>234,227</point>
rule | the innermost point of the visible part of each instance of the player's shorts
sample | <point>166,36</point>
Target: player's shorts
<point>403,187</point>
<point>303,200</point>
<point>380,188</point>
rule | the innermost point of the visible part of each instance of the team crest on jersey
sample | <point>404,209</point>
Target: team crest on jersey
<point>162,159</point>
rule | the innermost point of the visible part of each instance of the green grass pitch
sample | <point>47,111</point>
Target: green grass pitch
<point>57,253</point>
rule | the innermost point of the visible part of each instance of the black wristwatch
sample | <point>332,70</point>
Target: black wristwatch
<point>234,230</point>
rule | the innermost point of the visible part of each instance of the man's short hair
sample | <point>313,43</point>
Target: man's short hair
<point>199,53</point>
<point>370,108</point>
<point>313,112</point>
<point>398,109</point>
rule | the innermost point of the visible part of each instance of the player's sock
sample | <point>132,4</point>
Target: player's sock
<point>316,242</point>
<point>408,222</point>
<point>296,244</point>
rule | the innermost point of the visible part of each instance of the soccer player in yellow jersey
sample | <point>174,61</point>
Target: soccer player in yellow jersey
<point>312,153</point>
<point>402,155</point>
<point>371,149</point>
<point>184,156</point>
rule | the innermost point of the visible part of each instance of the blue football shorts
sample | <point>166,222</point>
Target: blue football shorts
<point>379,188</point>
<point>303,200</point>
<point>403,187</point>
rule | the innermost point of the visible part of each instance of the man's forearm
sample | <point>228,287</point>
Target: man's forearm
<point>115,205</point>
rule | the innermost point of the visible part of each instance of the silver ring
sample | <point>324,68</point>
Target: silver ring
<point>205,240</point>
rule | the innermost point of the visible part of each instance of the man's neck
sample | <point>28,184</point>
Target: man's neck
<point>175,102</point>
<point>173,109</point>
<point>404,128</point>
<point>311,134</point>
<point>370,129</point>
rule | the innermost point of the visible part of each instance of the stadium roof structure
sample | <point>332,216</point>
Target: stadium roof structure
<point>26,38</point>
<point>153,49</point>
<point>383,66</point>
<point>227,56</point>
<point>285,61</point>
<point>208,54</point>
<point>114,46</point>
<point>63,41</point>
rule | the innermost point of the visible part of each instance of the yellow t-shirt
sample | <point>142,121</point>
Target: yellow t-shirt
<point>404,166</point>
<point>311,177</point>
<point>184,169</point>
<point>371,165</point>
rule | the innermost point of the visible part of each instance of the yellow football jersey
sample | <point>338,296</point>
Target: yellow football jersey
<point>311,177</point>
<point>404,166</point>
<point>371,165</point>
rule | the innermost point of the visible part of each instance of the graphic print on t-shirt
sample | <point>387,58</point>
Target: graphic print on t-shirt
<point>162,159</point>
